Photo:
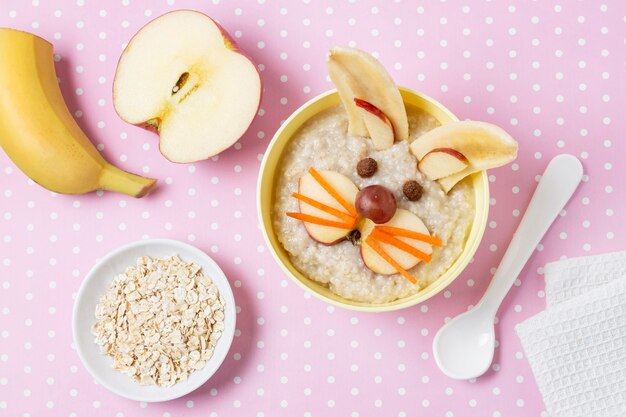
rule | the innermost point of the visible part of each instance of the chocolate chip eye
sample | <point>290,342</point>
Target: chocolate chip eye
<point>412,190</point>
<point>366,167</point>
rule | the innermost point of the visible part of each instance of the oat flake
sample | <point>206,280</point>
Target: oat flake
<point>160,320</point>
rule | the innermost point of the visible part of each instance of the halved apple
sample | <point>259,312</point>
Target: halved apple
<point>484,145</point>
<point>183,76</point>
<point>377,123</point>
<point>405,220</point>
<point>442,162</point>
<point>320,203</point>
<point>357,74</point>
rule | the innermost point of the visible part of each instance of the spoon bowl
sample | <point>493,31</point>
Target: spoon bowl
<point>464,346</point>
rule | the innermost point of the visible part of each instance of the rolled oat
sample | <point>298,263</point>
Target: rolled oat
<point>160,320</point>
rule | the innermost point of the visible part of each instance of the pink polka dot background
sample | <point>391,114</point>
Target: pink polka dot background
<point>551,73</point>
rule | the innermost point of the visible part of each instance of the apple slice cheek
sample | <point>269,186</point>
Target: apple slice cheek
<point>404,259</point>
<point>401,232</point>
<point>337,191</point>
<point>383,237</point>
<point>309,187</point>
<point>409,221</point>
<point>370,255</point>
<point>389,258</point>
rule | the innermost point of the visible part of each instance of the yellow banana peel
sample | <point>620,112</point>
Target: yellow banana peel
<point>38,132</point>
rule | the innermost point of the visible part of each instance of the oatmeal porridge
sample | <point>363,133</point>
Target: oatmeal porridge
<point>323,143</point>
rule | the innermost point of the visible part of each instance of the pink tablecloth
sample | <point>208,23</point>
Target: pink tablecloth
<point>552,73</point>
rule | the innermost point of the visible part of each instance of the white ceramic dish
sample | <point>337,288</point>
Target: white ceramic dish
<point>96,283</point>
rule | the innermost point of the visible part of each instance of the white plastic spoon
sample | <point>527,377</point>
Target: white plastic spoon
<point>463,347</point>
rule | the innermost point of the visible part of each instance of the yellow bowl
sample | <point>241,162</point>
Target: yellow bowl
<point>267,184</point>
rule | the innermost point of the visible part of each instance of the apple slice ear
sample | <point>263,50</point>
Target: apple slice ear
<point>310,188</point>
<point>403,219</point>
<point>378,125</point>
<point>484,145</point>
<point>357,74</point>
<point>442,162</point>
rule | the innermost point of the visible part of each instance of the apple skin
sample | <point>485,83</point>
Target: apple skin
<point>458,155</point>
<point>341,239</point>
<point>442,162</point>
<point>377,123</point>
<point>367,106</point>
<point>151,126</point>
<point>229,43</point>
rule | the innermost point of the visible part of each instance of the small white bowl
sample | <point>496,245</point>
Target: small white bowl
<point>97,282</point>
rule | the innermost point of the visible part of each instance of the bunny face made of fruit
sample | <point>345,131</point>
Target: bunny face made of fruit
<point>331,206</point>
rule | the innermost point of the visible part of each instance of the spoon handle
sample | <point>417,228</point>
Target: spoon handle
<point>558,183</point>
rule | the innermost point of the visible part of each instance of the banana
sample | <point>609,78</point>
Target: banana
<point>358,75</point>
<point>38,132</point>
<point>479,145</point>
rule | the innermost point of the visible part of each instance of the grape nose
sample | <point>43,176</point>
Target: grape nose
<point>376,203</point>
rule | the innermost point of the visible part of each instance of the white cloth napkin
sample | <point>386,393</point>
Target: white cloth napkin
<point>577,346</point>
<point>572,277</point>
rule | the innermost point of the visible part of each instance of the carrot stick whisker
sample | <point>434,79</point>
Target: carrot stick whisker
<point>398,231</point>
<point>390,240</point>
<point>330,190</point>
<point>380,251</point>
<point>348,218</point>
<point>319,220</point>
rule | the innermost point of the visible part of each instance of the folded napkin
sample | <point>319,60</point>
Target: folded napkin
<point>577,346</point>
<point>572,277</point>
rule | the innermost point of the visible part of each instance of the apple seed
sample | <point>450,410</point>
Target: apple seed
<point>354,237</point>
<point>180,83</point>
